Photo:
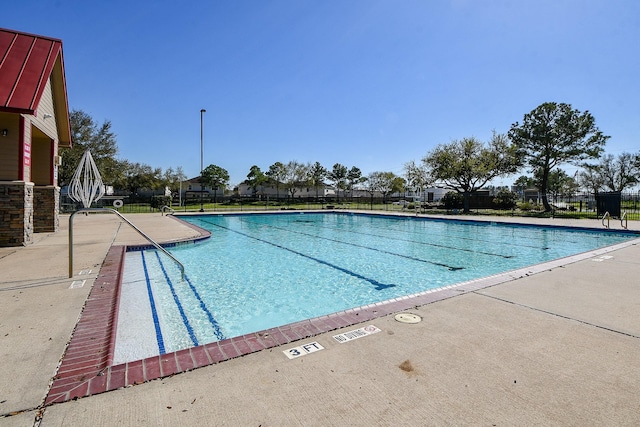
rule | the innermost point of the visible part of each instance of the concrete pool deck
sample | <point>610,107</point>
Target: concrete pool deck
<point>560,347</point>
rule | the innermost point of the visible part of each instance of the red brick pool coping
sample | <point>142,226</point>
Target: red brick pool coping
<point>86,365</point>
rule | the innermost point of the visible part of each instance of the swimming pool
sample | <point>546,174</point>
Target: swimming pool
<point>266,270</point>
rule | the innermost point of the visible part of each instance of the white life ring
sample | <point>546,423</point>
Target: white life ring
<point>117,203</point>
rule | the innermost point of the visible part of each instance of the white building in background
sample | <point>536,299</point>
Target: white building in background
<point>272,191</point>
<point>192,189</point>
<point>429,195</point>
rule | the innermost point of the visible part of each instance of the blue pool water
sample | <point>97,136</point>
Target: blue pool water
<point>262,271</point>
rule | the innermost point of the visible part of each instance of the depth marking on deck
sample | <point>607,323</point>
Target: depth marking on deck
<point>85,272</point>
<point>77,284</point>
<point>356,333</point>
<point>602,258</point>
<point>303,350</point>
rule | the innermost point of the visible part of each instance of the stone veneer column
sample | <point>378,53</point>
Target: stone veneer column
<point>46,204</point>
<point>16,213</point>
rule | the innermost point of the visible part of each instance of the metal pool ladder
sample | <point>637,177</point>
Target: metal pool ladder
<point>108,210</point>
<point>167,208</point>
<point>607,217</point>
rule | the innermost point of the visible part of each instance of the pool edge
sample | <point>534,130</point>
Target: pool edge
<point>86,376</point>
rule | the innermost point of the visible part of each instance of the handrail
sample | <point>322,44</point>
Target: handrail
<point>98,210</point>
<point>606,216</point>
<point>626,222</point>
<point>162,209</point>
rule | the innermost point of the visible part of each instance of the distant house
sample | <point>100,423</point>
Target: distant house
<point>193,189</point>
<point>271,191</point>
<point>34,128</point>
<point>429,195</point>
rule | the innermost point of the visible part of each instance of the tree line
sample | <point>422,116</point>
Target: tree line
<point>551,135</point>
<point>86,134</point>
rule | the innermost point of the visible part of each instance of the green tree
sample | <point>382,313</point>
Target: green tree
<point>86,134</point>
<point>317,174</point>
<point>138,176</point>
<point>417,177</point>
<point>559,183</point>
<point>296,176</point>
<point>353,178</point>
<point>255,179</point>
<point>385,183</point>
<point>173,179</point>
<point>276,173</point>
<point>338,175</point>
<point>215,177</point>
<point>468,165</point>
<point>524,183</point>
<point>553,134</point>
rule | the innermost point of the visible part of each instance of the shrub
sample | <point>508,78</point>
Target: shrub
<point>453,200</point>
<point>505,199</point>
<point>158,202</point>
<point>528,206</point>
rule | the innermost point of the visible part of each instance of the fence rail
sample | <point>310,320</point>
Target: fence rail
<point>574,206</point>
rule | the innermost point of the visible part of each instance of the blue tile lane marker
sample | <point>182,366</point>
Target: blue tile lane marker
<point>379,286</point>
<point>391,238</point>
<point>214,324</point>
<point>187,325</point>
<point>439,264</point>
<point>154,313</point>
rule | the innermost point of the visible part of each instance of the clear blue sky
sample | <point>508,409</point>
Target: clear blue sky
<point>366,83</point>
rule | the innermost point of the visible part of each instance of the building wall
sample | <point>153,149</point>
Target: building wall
<point>46,217</point>
<point>270,190</point>
<point>46,108</point>
<point>41,158</point>
<point>16,213</point>
<point>9,148</point>
<point>26,129</point>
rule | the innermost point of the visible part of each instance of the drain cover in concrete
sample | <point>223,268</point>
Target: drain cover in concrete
<point>408,318</point>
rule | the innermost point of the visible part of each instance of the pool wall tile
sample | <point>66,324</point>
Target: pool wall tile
<point>168,365</point>
<point>97,384</point>
<point>135,372</point>
<point>289,333</point>
<point>151,368</point>
<point>185,360</point>
<point>254,342</point>
<point>117,377</point>
<point>277,336</point>
<point>229,350</point>
<point>200,356</point>
<point>214,352</point>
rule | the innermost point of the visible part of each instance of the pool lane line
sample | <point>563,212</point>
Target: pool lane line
<point>378,286</point>
<point>408,240</point>
<point>468,238</point>
<point>185,320</point>
<point>154,313</point>
<point>214,323</point>
<point>439,264</point>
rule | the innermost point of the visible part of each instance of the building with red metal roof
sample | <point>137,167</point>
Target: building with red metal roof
<point>34,127</point>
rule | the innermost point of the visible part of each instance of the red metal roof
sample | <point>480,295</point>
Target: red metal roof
<point>26,63</point>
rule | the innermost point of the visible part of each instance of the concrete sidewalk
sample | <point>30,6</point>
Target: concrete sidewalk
<point>561,347</point>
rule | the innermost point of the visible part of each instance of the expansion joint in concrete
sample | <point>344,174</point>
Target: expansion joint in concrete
<point>554,314</point>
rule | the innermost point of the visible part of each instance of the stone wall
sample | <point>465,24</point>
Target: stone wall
<point>46,202</point>
<point>16,213</point>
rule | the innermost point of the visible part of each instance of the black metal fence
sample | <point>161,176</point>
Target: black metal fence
<point>617,205</point>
